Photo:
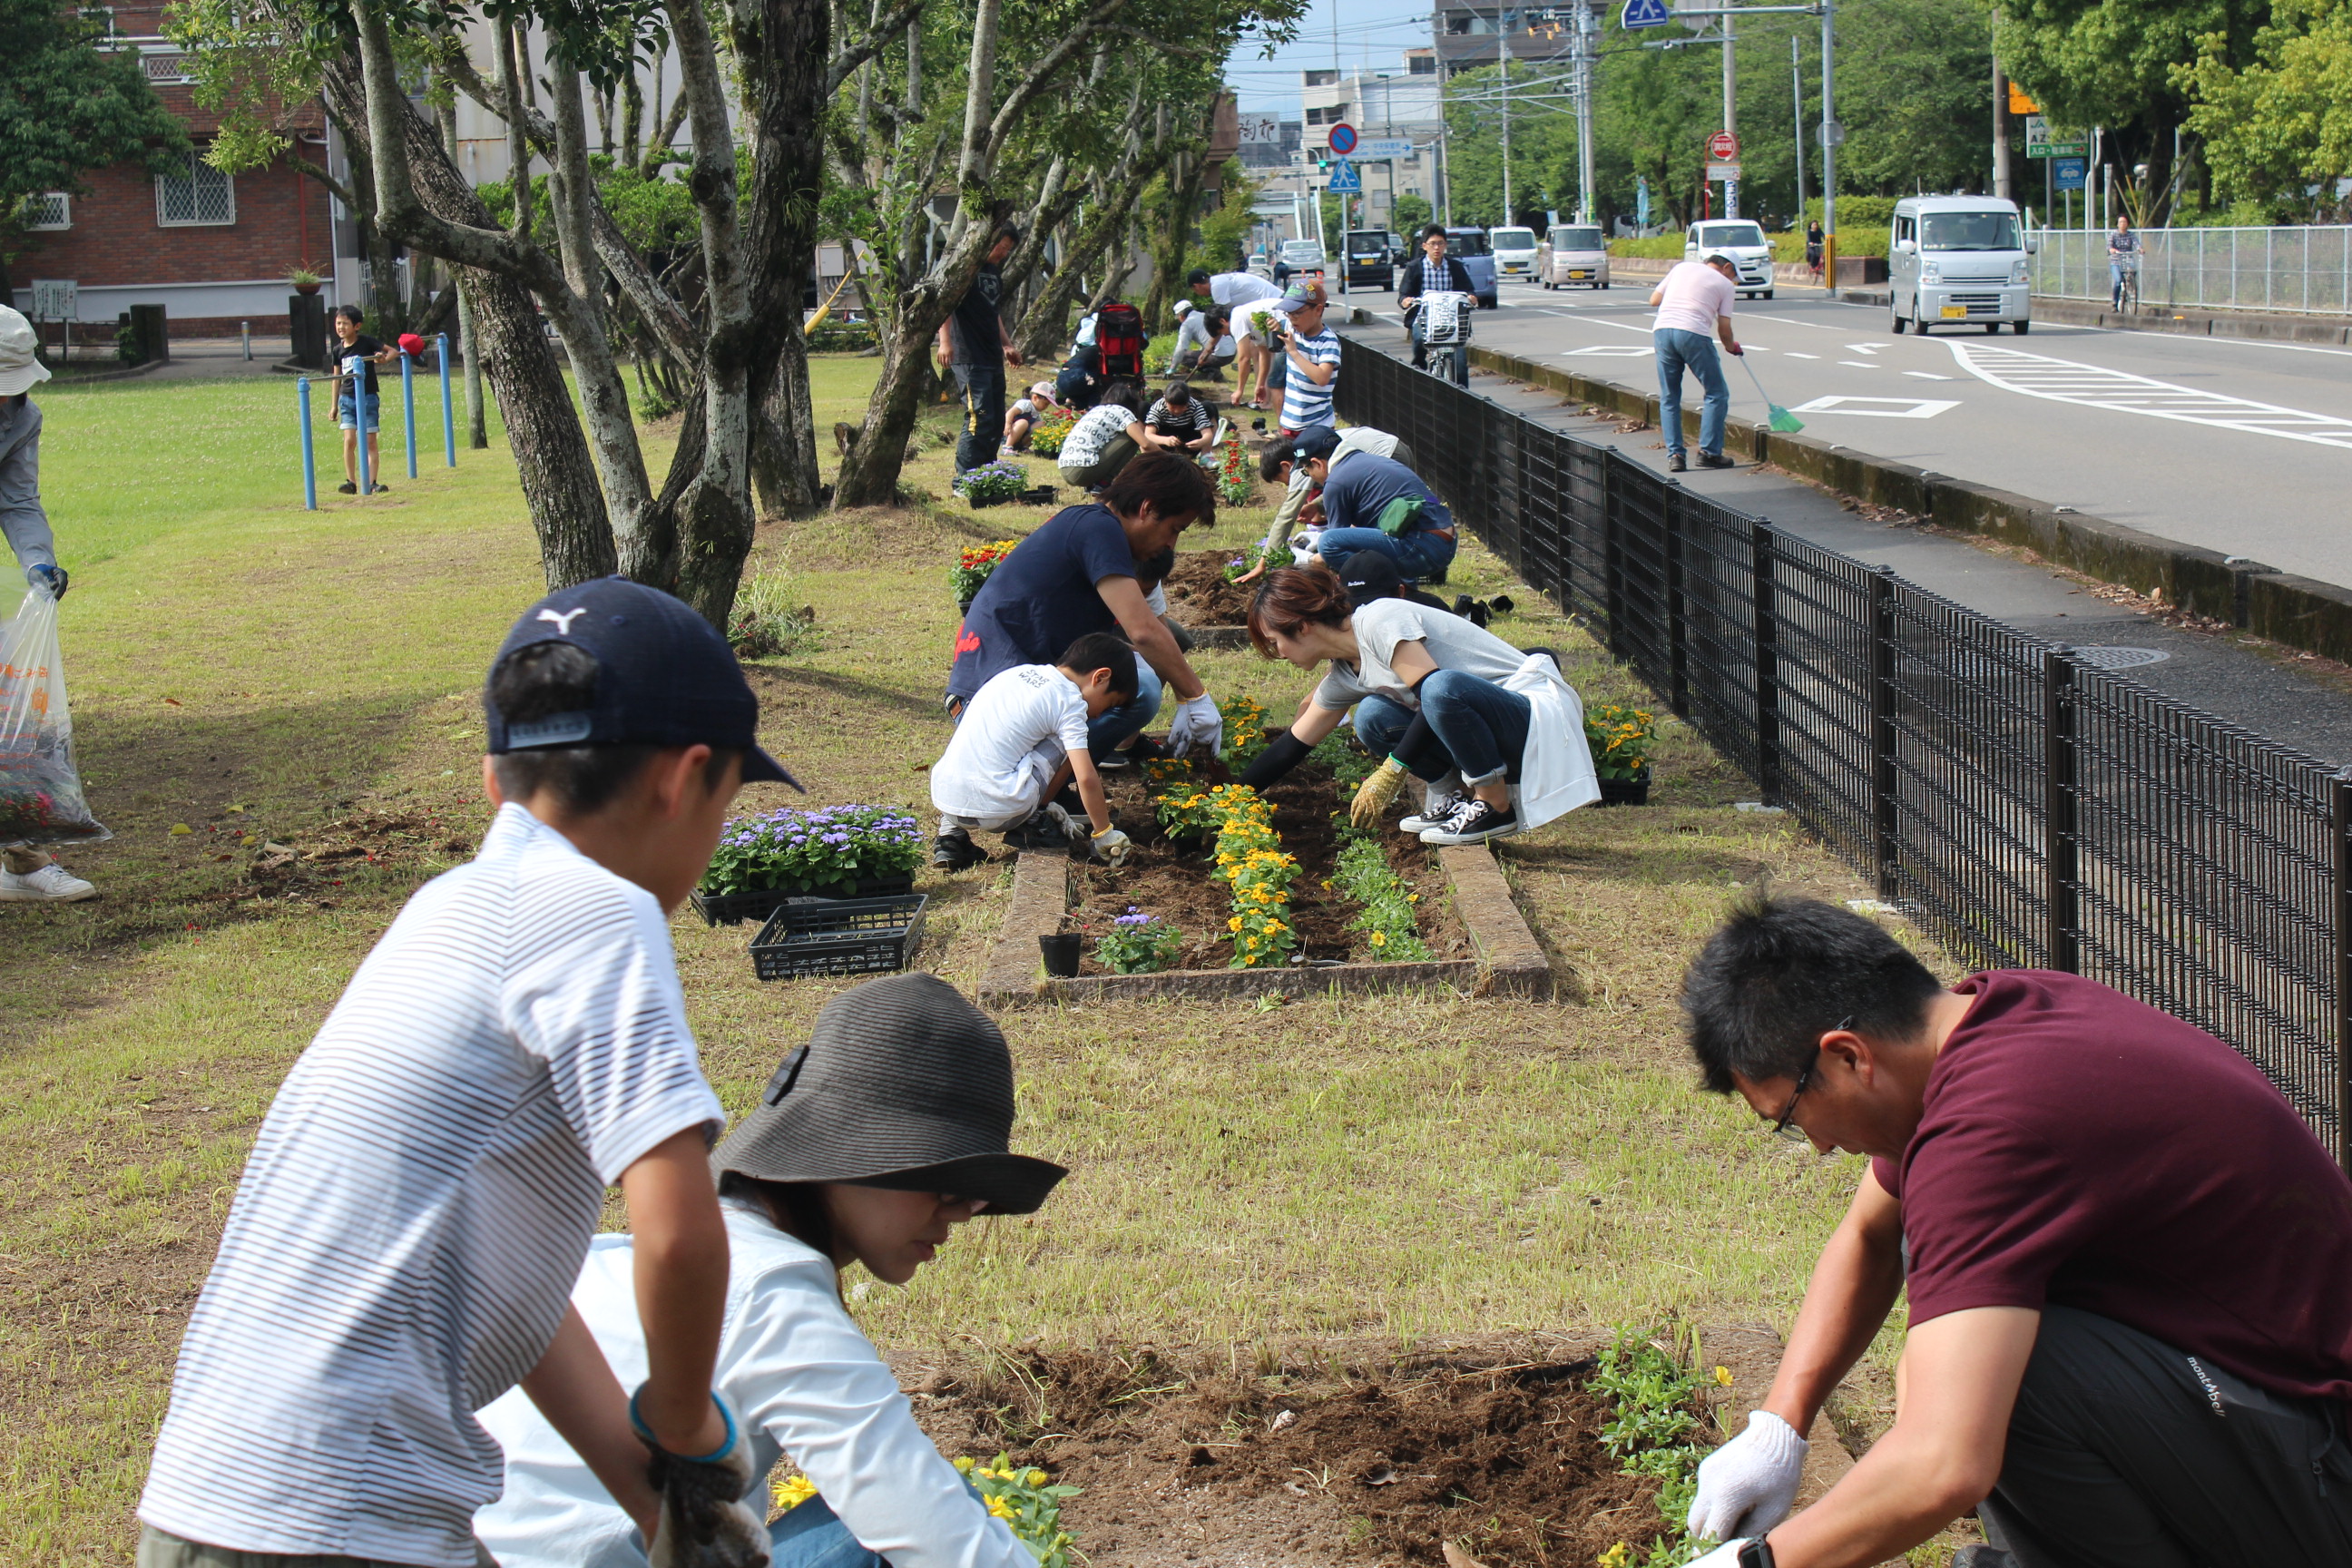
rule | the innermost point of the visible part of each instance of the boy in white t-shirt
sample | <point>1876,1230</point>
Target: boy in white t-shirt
<point>1019,741</point>
<point>420,1198</point>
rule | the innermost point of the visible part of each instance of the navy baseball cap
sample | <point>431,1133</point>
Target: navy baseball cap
<point>1370,575</point>
<point>664,678</point>
<point>1314,441</point>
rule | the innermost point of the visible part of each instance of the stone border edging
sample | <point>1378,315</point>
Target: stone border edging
<point>1507,962</point>
<point>2299,612</point>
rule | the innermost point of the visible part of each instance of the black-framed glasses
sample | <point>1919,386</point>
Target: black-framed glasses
<point>1784,1127</point>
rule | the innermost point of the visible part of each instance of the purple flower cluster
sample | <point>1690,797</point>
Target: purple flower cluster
<point>805,848</point>
<point>1133,917</point>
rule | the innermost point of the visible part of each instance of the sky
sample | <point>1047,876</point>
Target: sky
<point>1372,33</point>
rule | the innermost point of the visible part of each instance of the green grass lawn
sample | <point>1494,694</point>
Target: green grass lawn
<point>1394,1167</point>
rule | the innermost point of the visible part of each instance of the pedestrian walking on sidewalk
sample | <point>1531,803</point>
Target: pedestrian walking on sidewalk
<point>27,875</point>
<point>2126,1264</point>
<point>1695,302</point>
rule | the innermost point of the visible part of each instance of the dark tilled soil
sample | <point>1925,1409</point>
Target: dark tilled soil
<point>1375,1459</point>
<point>1161,879</point>
<point>1199,594</point>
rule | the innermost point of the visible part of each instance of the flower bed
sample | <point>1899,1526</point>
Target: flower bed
<point>1202,592</point>
<point>1052,428</point>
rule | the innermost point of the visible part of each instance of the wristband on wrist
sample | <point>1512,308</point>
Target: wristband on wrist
<point>727,1446</point>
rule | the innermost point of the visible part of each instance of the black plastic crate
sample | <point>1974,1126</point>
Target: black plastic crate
<point>734,908</point>
<point>840,936</point>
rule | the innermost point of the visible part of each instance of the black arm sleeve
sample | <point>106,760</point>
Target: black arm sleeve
<point>1415,739</point>
<point>1284,753</point>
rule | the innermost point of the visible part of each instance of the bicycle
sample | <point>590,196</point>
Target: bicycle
<point>2127,289</point>
<point>1444,321</point>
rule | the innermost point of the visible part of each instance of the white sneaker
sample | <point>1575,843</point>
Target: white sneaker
<point>51,884</point>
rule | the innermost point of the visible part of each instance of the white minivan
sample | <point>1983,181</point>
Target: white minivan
<point>1959,260</point>
<point>1744,242</point>
<point>1515,251</point>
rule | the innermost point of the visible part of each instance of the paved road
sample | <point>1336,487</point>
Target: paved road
<point>2240,447</point>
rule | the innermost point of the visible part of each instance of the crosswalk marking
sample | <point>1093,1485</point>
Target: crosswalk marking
<point>2065,381</point>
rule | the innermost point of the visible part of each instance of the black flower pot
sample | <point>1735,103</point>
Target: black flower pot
<point>1626,791</point>
<point>1061,952</point>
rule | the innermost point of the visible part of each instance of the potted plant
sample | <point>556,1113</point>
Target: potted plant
<point>827,852</point>
<point>1620,738</point>
<point>991,484</point>
<point>973,568</point>
<point>1052,426</point>
<point>305,280</point>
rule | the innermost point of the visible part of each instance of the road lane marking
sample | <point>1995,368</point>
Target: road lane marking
<point>1927,376</point>
<point>1610,350</point>
<point>1868,347</point>
<point>2065,381</point>
<point>1891,407</point>
<point>1794,354</point>
<point>1791,322</point>
<point>1862,364</point>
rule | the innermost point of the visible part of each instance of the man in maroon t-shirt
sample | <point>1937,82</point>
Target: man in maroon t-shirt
<point>2129,1266</point>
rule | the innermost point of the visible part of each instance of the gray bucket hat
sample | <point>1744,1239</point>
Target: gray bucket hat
<point>904,1084</point>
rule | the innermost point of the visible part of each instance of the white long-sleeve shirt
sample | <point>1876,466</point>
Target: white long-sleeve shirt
<point>806,1383</point>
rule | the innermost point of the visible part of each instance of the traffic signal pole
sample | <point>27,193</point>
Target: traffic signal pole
<point>1730,113</point>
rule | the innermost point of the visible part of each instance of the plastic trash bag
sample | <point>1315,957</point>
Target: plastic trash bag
<point>40,787</point>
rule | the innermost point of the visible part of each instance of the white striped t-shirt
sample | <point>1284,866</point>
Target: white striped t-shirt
<point>418,1205</point>
<point>1303,403</point>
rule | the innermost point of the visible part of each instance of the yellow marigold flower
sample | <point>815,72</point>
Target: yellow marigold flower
<point>1380,939</point>
<point>964,1464</point>
<point>1723,1377</point>
<point>794,1491</point>
<point>1617,1556</point>
<point>1235,923</point>
<point>1035,1479</point>
<point>1000,1508</point>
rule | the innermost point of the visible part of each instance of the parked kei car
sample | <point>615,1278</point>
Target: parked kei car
<point>1741,241</point>
<point>1370,263</point>
<point>1515,251</point>
<point>1478,257</point>
<point>1573,254</point>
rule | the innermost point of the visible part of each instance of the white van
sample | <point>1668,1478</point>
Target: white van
<point>1515,251</point>
<point>1744,242</point>
<point>1961,259</point>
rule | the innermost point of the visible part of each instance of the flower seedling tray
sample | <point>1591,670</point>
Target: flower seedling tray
<point>1038,495</point>
<point>734,908</point>
<point>839,936</point>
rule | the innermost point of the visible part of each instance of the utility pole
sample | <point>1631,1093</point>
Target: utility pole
<point>1505,34</point>
<point>1831,134</point>
<point>1797,113</point>
<point>1588,23</point>
<point>2001,174</point>
<point>1730,113</point>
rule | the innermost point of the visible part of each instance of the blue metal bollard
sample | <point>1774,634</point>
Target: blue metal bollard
<point>448,415</point>
<point>309,458</point>
<point>408,410</point>
<point>355,372</point>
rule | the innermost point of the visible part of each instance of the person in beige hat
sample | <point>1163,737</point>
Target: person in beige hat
<point>27,875</point>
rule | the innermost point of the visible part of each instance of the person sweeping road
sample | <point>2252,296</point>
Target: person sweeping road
<point>1021,741</point>
<point>2128,1264</point>
<point>424,1186</point>
<point>1694,305</point>
<point>870,1145</point>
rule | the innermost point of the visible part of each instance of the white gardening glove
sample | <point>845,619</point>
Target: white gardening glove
<point>1197,723</point>
<point>1723,1556</point>
<point>1112,848</point>
<point>1748,1485</point>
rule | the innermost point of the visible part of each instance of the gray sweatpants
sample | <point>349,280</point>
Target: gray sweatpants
<point>2126,1453</point>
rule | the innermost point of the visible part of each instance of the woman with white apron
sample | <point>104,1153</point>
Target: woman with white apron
<point>1496,736</point>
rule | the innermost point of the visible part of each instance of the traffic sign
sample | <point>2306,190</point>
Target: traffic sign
<point>2043,142</point>
<point>2069,174</point>
<point>1380,147</point>
<point>1643,14</point>
<point>1723,147</point>
<point>1344,177</point>
<point>1343,138</point>
<point>2021,104</point>
<point>1722,171</point>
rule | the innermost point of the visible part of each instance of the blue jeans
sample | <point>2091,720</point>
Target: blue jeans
<point>1106,732</point>
<point>813,1536</point>
<point>348,417</point>
<point>1678,349</point>
<point>1420,555</point>
<point>1479,729</point>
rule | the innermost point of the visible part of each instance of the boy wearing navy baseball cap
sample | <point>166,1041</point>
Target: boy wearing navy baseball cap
<point>405,1240</point>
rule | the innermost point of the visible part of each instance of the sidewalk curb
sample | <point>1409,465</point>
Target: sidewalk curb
<point>2298,612</point>
<point>2279,328</point>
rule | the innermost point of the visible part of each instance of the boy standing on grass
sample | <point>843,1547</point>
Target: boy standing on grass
<point>1021,738</point>
<point>404,1240</point>
<point>357,406</point>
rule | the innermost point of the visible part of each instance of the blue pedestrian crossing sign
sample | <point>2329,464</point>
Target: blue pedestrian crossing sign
<point>1643,14</point>
<point>1344,177</point>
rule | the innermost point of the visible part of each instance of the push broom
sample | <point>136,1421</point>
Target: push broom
<point>1783,421</point>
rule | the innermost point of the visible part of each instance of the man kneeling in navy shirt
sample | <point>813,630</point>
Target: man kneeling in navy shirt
<point>2130,1265</point>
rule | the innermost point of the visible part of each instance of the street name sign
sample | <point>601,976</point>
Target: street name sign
<point>1343,138</point>
<point>1379,147</point>
<point>1722,171</point>
<point>1344,177</point>
<point>1643,14</point>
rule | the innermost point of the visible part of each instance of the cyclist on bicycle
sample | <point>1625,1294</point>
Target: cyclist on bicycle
<point>2122,263</point>
<point>1434,273</point>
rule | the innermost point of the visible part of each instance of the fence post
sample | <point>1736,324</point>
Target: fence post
<point>309,457</point>
<point>2061,906</point>
<point>448,413</point>
<point>1767,661</point>
<point>1677,635</point>
<point>408,408</point>
<point>1883,818</point>
<point>1612,553</point>
<point>2340,795</point>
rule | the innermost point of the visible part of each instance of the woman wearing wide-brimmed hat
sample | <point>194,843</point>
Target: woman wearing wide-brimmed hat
<point>868,1145</point>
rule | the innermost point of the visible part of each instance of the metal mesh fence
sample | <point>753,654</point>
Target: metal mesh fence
<point>2025,808</point>
<point>2301,270</point>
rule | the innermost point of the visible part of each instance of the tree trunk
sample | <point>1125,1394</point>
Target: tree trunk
<point>869,474</point>
<point>785,45</point>
<point>1184,181</point>
<point>1046,328</point>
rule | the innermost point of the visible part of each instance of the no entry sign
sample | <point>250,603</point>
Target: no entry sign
<point>1343,138</point>
<point>1723,147</point>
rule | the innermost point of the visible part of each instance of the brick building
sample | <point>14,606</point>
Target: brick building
<point>213,249</point>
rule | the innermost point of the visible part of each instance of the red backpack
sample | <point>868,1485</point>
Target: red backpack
<point>1118,337</point>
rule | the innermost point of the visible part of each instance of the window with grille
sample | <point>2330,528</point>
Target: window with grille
<point>50,210</point>
<point>202,195</point>
<point>165,69</point>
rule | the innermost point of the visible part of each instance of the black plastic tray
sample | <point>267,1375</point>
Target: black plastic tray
<point>839,936</point>
<point>734,908</point>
